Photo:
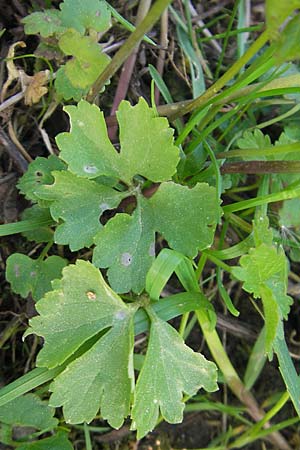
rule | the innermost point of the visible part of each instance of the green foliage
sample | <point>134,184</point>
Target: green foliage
<point>254,139</point>
<point>129,258</point>
<point>28,411</point>
<point>93,14</point>
<point>277,12</point>
<point>80,203</point>
<point>86,148</point>
<point>170,368</point>
<point>79,196</point>
<point>39,173</point>
<point>88,60</point>
<point>32,275</point>
<point>287,46</point>
<point>45,23</point>
<point>103,376</point>
<point>74,27</point>
<point>42,234</point>
<point>57,442</point>
<point>264,274</point>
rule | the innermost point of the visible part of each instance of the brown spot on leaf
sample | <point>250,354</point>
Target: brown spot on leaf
<point>91,295</point>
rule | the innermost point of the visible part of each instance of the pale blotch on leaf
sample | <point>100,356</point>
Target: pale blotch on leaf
<point>104,206</point>
<point>126,259</point>
<point>91,295</point>
<point>152,249</point>
<point>90,169</point>
<point>80,123</point>
<point>120,315</point>
<point>17,270</point>
<point>33,274</point>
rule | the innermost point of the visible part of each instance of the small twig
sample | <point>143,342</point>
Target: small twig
<point>128,67</point>
<point>123,53</point>
<point>162,52</point>
<point>13,152</point>
<point>204,30</point>
<point>11,100</point>
<point>17,143</point>
<point>259,167</point>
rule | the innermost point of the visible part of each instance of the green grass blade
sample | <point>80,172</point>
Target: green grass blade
<point>288,372</point>
<point>127,25</point>
<point>23,225</point>
<point>256,361</point>
<point>160,84</point>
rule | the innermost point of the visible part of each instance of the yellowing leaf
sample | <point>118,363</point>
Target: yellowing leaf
<point>88,59</point>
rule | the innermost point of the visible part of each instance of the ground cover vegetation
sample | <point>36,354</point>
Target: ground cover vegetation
<point>150,257</point>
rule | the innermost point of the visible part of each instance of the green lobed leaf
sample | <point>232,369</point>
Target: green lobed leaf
<point>254,139</point>
<point>264,273</point>
<point>39,174</point>
<point>88,59</point>
<point>42,234</point>
<point>28,411</point>
<point>90,14</point>
<point>30,275</point>
<point>170,369</point>
<point>86,148</point>
<point>288,42</point>
<point>147,147</point>
<point>69,316</point>
<point>57,442</point>
<point>103,376</point>
<point>186,217</point>
<point>45,23</point>
<point>277,12</point>
<point>65,89</point>
<point>126,245</point>
<point>79,203</point>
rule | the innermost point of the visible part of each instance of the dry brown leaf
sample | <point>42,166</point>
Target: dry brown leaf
<point>35,87</point>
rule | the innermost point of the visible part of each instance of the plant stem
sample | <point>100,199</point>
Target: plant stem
<point>232,378</point>
<point>257,167</point>
<point>224,79</point>
<point>126,49</point>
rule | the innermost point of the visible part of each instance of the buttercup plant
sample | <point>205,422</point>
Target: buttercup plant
<point>133,215</point>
